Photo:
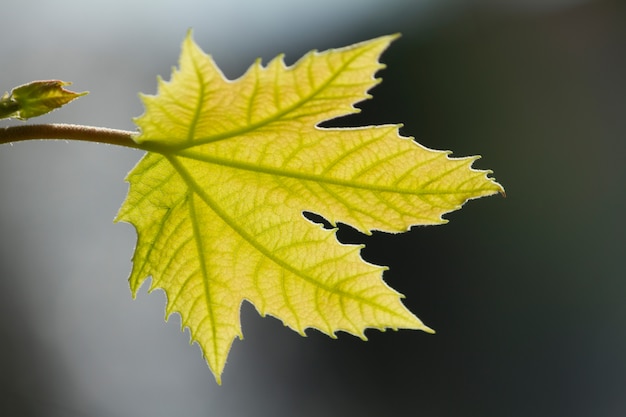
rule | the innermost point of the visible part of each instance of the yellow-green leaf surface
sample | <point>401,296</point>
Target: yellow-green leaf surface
<point>218,200</point>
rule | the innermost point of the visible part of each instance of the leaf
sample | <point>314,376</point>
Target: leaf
<point>35,99</point>
<point>218,201</point>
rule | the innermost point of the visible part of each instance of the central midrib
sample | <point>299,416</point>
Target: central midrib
<point>281,172</point>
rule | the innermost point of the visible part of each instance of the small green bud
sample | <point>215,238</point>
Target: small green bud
<point>36,98</point>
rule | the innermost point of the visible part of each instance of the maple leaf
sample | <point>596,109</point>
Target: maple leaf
<point>218,200</point>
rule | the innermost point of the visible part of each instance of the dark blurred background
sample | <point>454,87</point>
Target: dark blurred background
<point>527,293</point>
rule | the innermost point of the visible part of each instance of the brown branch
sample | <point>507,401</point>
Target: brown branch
<point>69,132</point>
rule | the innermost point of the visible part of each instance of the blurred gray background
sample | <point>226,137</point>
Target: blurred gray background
<point>527,293</point>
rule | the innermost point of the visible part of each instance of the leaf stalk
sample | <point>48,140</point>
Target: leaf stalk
<point>84,133</point>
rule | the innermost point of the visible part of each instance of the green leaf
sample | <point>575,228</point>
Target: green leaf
<point>36,98</point>
<point>218,202</point>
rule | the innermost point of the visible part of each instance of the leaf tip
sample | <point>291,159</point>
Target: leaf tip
<point>188,37</point>
<point>189,43</point>
<point>394,36</point>
<point>218,378</point>
<point>428,330</point>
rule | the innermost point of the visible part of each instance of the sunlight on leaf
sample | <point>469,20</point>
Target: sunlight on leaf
<point>218,202</point>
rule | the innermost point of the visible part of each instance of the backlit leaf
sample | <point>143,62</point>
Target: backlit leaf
<point>218,200</point>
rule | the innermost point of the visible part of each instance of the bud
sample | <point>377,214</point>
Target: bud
<point>36,98</point>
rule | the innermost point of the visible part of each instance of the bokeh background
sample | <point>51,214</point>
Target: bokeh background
<point>527,293</point>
